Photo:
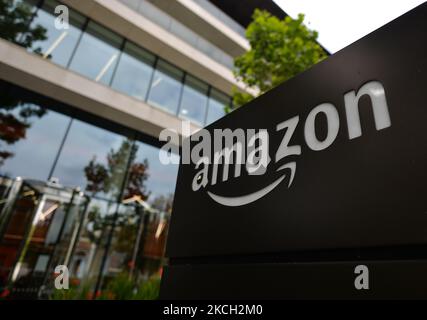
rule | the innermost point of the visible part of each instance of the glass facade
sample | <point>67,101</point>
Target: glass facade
<point>166,87</point>
<point>134,72</point>
<point>105,57</point>
<point>80,191</point>
<point>96,54</point>
<point>59,44</point>
<point>217,103</point>
<point>172,25</point>
<point>230,22</point>
<point>23,126</point>
<point>194,100</point>
<point>79,165</point>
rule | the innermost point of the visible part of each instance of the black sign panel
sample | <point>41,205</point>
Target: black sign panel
<point>347,142</point>
<point>330,280</point>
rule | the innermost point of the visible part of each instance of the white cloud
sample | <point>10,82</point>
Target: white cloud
<point>341,22</point>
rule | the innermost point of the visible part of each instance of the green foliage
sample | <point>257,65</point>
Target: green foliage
<point>15,24</point>
<point>16,27</point>
<point>148,290</point>
<point>121,287</point>
<point>15,120</point>
<point>109,178</point>
<point>75,292</point>
<point>280,49</point>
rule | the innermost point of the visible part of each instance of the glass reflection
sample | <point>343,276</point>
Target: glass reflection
<point>37,235</point>
<point>136,255</point>
<point>93,159</point>
<point>98,57</point>
<point>166,87</point>
<point>124,250</point>
<point>97,53</point>
<point>217,104</point>
<point>134,71</point>
<point>59,44</point>
<point>194,100</point>
<point>159,180</point>
<point>41,221</point>
<point>23,127</point>
<point>17,27</point>
<point>85,263</point>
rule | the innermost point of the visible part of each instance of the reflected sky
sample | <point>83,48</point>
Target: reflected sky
<point>166,87</point>
<point>59,44</point>
<point>84,143</point>
<point>97,54</point>
<point>34,155</point>
<point>162,178</point>
<point>134,72</point>
<point>217,103</point>
<point>194,100</point>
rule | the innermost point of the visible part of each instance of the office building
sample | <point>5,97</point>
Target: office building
<point>81,108</point>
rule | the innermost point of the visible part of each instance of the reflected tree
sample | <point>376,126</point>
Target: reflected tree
<point>15,113</point>
<point>96,176</point>
<point>15,24</point>
<point>127,230</point>
<point>137,177</point>
<point>109,179</point>
<point>16,117</point>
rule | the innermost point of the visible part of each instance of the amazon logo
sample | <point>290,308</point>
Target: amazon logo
<point>237,150</point>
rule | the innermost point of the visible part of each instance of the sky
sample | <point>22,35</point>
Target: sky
<point>341,22</point>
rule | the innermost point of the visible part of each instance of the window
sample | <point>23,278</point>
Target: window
<point>123,257</point>
<point>59,44</point>
<point>30,137</point>
<point>194,100</point>
<point>93,159</point>
<point>101,239</point>
<point>217,103</point>
<point>86,261</point>
<point>97,54</point>
<point>166,87</point>
<point>134,71</point>
<point>148,177</point>
<point>137,246</point>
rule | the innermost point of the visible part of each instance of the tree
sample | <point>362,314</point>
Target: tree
<point>96,176</point>
<point>15,24</point>
<point>280,49</point>
<point>109,178</point>
<point>15,119</point>
<point>117,161</point>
